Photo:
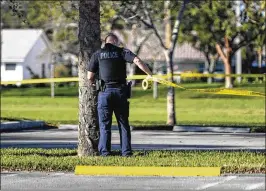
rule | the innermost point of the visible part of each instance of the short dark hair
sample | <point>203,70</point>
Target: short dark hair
<point>111,35</point>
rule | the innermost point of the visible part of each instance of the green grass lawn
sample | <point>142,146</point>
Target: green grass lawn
<point>191,107</point>
<point>67,159</point>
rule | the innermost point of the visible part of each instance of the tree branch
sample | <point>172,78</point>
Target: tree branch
<point>147,13</point>
<point>177,26</point>
<point>244,43</point>
<point>233,37</point>
<point>142,42</point>
<point>138,17</point>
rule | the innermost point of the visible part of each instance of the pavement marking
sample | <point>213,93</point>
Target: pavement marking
<point>147,171</point>
<point>216,183</point>
<point>254,186</point>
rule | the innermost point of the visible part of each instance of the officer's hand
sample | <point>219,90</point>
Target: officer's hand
<point>149,77</point>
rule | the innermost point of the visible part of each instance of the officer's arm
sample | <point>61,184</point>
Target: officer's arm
<point>142,65</point>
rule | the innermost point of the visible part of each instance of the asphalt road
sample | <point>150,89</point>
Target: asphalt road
<point>69,181</point>
<point>141,140</point>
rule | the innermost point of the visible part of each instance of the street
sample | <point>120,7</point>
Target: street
<point>69,181</point>
<point>141,140</point>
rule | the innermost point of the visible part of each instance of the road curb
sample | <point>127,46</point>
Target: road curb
<point>147,171</point>
<point>115,127</point>
<point>177,128</point>
<point>75,127</point>
<point>21,125</point>
<point>211,129</point>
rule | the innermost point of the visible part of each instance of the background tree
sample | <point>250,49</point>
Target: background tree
<point>137,45</point>
<point>89,41</point>
<point>149,13</point>
<point>59,20</point>
<point>217,20</point>
<point>199,40</point>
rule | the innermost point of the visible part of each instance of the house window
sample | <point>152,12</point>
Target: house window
<point>11,66</point>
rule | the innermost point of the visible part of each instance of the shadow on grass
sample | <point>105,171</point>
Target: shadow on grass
<point>44,154</point>
<point>138,149</point>
<point>74,153</point>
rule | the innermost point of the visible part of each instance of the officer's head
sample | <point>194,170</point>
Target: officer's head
<point>112,38</point>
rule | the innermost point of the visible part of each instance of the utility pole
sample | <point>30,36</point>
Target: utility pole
<point>238,63</point>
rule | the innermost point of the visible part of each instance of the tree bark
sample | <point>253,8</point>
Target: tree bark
<point>213,61</point>
<point>155,84</point>
<point>207,64</point>
<point>171,117</point>
<point>228,79</point>
<point>89,38</point>
<point>259,59</point>
<point>227,62</point>
<point>134,34</point>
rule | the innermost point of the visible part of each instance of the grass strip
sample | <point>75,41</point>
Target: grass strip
<point>65,160</point>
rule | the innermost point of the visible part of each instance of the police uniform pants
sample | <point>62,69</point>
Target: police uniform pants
<point>109,101</point>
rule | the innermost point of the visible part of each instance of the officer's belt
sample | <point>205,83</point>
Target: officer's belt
<point>115,85</point>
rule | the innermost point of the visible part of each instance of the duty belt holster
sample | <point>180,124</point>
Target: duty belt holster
<point>100,85</point>
<point>128,89</point>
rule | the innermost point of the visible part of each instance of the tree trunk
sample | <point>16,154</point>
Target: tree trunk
<point>89,38</point>
<point>206,70</point>
<point>227,62</point>
<point>213,61</point>
<point>259,60</point>
<point>171,118</point>
<point>155,84</point>
<point>132,71</point>
<point>227,67</point>
<point>206,66</point>
<point>134,34</point>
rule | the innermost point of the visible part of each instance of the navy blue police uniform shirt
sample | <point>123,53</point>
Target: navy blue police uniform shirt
<point>93,65</point>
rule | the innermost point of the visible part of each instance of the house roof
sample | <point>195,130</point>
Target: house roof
<point>151,49</point>
<point>16,43</point>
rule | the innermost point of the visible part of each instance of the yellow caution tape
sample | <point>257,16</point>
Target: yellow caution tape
<point>220,75</point>
<point>147,83</point>
<point>134,77</point>
<point>39,81</point>
<point>211,91</point>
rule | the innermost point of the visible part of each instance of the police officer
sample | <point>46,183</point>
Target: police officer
<point>110,64</point>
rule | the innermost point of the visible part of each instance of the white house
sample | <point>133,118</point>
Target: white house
<point>23,50</point>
